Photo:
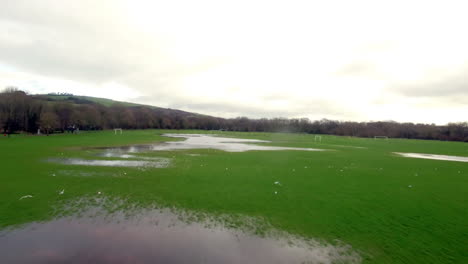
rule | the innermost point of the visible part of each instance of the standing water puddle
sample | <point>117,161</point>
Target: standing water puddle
<point>432,156</point>
<point>200,141</point>
<point>156,236</point>
<point>192,141</point>
<point>159,163</point>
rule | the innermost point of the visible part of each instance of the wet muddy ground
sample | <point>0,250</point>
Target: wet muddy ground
<point>156,236</point>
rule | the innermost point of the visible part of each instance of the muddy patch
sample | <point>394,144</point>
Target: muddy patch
<point>154,163</point>
<point>432,156</point>
<point>157,236</point>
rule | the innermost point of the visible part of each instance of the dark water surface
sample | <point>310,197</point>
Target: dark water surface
<point>157,236</point>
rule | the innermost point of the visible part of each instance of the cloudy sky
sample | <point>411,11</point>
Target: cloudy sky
<point>344,60</point>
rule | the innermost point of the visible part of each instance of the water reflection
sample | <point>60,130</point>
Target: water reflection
<point>154,163</point>
<point>201,141</point>
<point>155,236</point>
<point>432,156</point>
<point>192,141</point>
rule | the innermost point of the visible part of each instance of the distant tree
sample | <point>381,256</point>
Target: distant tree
<point>144,117</point>
<point>458,131</point>
<point>3,118</point>
<point>22,112</point>
<point>64,113</point>
<point>91,117</point>
<point>49,121</point>
<point>165,122</point>
<point>18,110</point>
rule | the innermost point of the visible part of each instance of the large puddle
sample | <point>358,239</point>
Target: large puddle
<point>201,141</point>
<point>156,236</point>
<point>432,156</point>
<point>126,156</point>
<point>154,163</point>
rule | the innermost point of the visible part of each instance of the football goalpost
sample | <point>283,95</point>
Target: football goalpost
<point>318,138</point>
<point>381,137</point>
<point>117,130</point>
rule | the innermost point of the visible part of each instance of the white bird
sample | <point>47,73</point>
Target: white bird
<point>277,183</point>
<point>98,192</point>
<point>26,196</point>
<point>62,191</point>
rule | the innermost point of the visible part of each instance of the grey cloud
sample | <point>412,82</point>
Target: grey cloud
<point>447,87</point>
<point>454,86</point>
<point>87,41</point>
<point>58,14</point>
<point>50,60</point>
<point>359,68</point>
<point>82,42</point>
<point>312,108</point>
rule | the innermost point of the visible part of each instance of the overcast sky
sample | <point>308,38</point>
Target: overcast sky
<point>344,60</point>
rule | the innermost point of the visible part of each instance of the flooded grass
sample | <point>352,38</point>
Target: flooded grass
<point>203,141</point>
<point>154,163</point>
<point>157,236</point>
<point>433,156</point>
<point>192,141</point>
<point>390,209</point>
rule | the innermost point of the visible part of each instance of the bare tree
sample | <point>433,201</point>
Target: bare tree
<point>15,108</point>
<point>22,112</point>
<point>49,121</point>
<point>64,113</point>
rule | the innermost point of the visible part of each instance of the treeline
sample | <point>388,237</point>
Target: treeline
<point>391,129</point>
<point>22,112</point>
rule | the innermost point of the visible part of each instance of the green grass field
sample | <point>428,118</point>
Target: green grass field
<point>357,195</point>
